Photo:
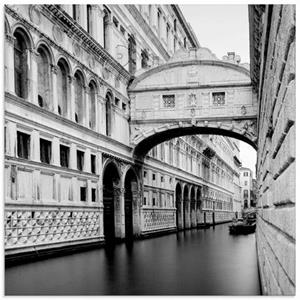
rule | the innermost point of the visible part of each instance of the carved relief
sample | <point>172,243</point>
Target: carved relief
<point>76,49</point>
<point>34,14</point>
<point>57,34</point>
<point>192,99</point>
<point>91,60</point>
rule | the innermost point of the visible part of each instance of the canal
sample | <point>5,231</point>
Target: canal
<point>195,262</point>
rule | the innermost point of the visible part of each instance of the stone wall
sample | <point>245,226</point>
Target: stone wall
<point>275,59</point>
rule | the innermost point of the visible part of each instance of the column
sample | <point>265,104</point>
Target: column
<point>72,98</point>
<point>55,151</point>
<point>54,70</point>
<point>9,64</point>
<point>11,139</point>
<point>97,20</point>
<point>119,212</point>
<point>86,105</point>
<point>33,76</point>
<point>138,57</point>
<point>73,157</point>
<point>83,16</point>
<point>89,192</point>
<point>87,161</point>
<point>35,146</point>
<point>108,34</point>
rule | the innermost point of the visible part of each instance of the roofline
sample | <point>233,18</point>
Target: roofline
<point>186,26</point>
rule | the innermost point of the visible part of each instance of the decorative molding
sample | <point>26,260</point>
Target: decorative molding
<point>34,14</point>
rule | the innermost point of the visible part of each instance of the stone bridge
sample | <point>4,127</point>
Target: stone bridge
<point>193,93</point>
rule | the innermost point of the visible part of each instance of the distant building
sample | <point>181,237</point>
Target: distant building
<point>246,182</point>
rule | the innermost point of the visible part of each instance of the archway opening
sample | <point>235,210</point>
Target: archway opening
<point>198,207</point>
<point>111,181</point>
<point>178,207</point>
<point>131,188</point>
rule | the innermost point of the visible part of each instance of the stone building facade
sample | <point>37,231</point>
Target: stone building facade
<point>272,49</point>
<point>70,177</point>
<point>246,178</point>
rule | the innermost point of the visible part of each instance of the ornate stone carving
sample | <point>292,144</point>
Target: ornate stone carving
<point>192,99</point>
<point>76,49</point>
<point>243,110</point>
<point>91,61</point>
<point>34,14</point>
<point>57,33</point>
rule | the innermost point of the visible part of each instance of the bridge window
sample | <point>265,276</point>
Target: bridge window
<point>168,101</point>
<point>218,98</point>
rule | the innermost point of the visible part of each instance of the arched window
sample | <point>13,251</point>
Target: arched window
<point>108,113</point>
<point>92,105</point>
<point>43,64</point>
<point>79,90</point>
<point>62,87</point>
<point>20,64</point>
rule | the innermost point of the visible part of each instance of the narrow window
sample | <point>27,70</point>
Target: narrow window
<point>89,19</point>
<point>153,201</point>
<point>64,156</point>
<point>108,113</point>
<point>153,176</point>
<point>79,106</point>
<point>20,65</point>
<point>82,193</point>
<point>93,195</point>
<point>117,101</point>
<point>43,78</point>
<point>23,145</point>
<point>145,174</point>
<point>124,106</point>
<point>145,59</point>
<point>80,160</point>
<point>93,163</point>
<point>45,151</point>
<point>62,88</point>
<point>162,179</point>
<point>145,201</point>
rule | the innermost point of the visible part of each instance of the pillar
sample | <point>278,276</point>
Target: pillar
<point>55,151</point>
<point>72,98</point>
<point>11,139</point>
<point>54,70</point>
<point>33,76</point>
<point>86,107</point>
<point>83,16</point>
<point>9,64</point>
<point>87,161</point>
<point>119,201</point>
<point>97,21</point>
<point>35,146</point>
<point>73,157</point>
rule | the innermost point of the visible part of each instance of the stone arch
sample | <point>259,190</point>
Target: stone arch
<point>132,195</point>
<point>79,90</point>
<point>63,86</point>
<point>44,64</point>
<point>22,46</point>
<point>145,140</point>
<point>111,200</point>
<point>19,27</point>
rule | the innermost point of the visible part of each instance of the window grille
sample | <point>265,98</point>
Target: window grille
<point>218,98</point>
<point>168,101</point>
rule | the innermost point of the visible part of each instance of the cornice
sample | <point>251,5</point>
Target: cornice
<point>147,30</point>
<point>87,40</point>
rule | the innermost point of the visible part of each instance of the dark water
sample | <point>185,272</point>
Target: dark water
<point>196,262</point>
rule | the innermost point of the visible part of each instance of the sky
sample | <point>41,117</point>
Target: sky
<point>222,29</point>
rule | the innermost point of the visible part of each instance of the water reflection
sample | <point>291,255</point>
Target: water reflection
<point>195,262</point>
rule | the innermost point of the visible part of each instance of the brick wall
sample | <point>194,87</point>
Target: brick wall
<point>276,165</point>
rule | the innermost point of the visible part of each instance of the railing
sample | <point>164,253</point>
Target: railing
<point>158,218</point>
<point>34,225</point>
